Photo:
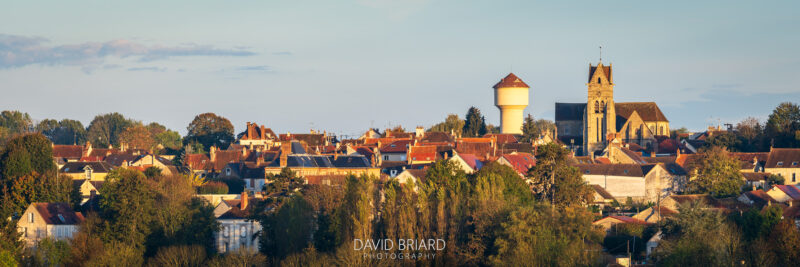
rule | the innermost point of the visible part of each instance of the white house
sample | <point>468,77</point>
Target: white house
<point>236,232</point>
<point>48,220</point>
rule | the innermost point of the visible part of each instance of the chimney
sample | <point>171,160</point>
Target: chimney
<point>263,132</point>
<point>420,133</point>
<point>259,160</point>
<point>212,153</point>
<point>244,150</point>
<point>249,134</point>
<point>286,148</point>
<point>92,194</point>
<point>243,204</point>
<point>87,149</point>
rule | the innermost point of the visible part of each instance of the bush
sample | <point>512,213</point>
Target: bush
<point>179,256</point>
<point>213,188</point>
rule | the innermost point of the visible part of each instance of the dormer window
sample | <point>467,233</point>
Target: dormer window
<point>625,171</point>
<point>587,171</point>
<point>228,171</point>
<point>794,163</point>
<point>87,172</point>
<point>780,163</point>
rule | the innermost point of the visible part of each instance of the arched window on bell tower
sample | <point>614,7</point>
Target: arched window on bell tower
<point>598,79</point>
<point>603,107</point>
<point>596,107</point>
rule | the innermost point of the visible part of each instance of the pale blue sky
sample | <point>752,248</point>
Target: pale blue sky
<point>343,66</point>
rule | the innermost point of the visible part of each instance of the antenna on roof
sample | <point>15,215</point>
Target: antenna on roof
<point>601,53</point>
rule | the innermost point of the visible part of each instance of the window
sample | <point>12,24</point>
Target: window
<point>603,106</point>
<point>243,231</point>
<point>587,171</point>
<point>88,173</point>
<point>661,130</point>
<point>596,107</point>
<point>385,157</point>
<point>794,163</point>
<point>228,171</point>
<point>794,177</point>
<point>25,231</point>
<point>30,217</point>
<point>598,79</point>
<point>226,233</point>
<point>780,163</point>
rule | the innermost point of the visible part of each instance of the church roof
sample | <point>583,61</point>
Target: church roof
<point>606,71</point>
<point>569,111</point>
<point>648,111</point>
<point>510,81</point>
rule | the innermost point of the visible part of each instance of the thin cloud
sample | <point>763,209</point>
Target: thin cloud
<point>283,53</point>
<point>156,69</point>
<point>19,51</point>
<point>253,68</point>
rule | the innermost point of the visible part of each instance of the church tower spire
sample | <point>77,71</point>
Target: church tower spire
<point>600,112</point>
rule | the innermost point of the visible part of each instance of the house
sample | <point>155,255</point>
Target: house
<point>93,170</point>
<point>640,182</point>
<point>652,243</point>
<point>655,214</point>
<point>784,193</point>
<point>237,232</point>
<point>758,198</point>
<point>149,160</point>
<point>467,162</point>
<point>87,188</point>
<point>257,136</point>
<point>397,150</point>
<point>609,222</point>
<point>756,179</point>
<point>48,220</point>
<point>413,176</point>
<point>784,162</point>
<point>673,201</point>
<point>67,153</point>
<point>422,154</point>
<point>601,196</point>
<point>521,162</point>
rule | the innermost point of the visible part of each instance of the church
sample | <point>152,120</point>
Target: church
<point>591,126</point>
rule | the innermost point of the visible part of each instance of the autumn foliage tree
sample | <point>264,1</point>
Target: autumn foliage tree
<point>718,174</point>
<point>210,129</point>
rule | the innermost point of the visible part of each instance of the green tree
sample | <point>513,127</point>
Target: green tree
<point>169,139</point>
<point>554,180</point>
<point>718,174</point>
<point>128,207</point>
<point>287,230</point>
<point>786,243</point>
<point>64,132</point>
<point>106,129</point>
<point>15,121</point>
<point>725,139</point>
<point>783,125</point>
<point>451,124</point>
<point>210,130</point>
<point>179,256</point>
<point>698,236</point>
<point>48,252</point>
<point>750,133</point>
<point>7,259</point>
<point>283,182</point>
<point>475,123</point>
<point>532,129</point>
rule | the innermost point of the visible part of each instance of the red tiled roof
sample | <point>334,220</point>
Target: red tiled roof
<point>58,213</point>
<point>223,157</point>
<point>422,153</point>
<point>480,150</point>
<point>398,146</point>
<point>197,161</point>
<point>602,191</point>
<point>510,80</point>
<point>521,162</point>
<point>503,138</point>
<point>68,151</point>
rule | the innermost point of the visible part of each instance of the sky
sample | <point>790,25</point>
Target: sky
<point>344,66</point>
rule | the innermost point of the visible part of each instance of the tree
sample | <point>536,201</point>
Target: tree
<point>169,139</point>
<point>48,252</point>
<point>128,208</point>
<point>210,130</point>
<point>7,259</point>
<point>532,129</point>
<point>718,174</point>
<point>555,181</point>
<point>724,139</point>
<point>106,129</point>
<point>179,256</point>
<point>152,172</point>
<point>452,124</point>
<point>26,154</point>
<point>783,125</point>
<point>64,132</point>
<point>15,121</point>
<point>137,137</point>
<point>287,230</point>
<point>698,236</point>
<point>786,244</point>
<point>475,124</point>
<point>750,133</point>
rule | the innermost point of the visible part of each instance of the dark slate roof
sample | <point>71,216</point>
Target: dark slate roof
<point>789,157</point>
<point>58,213</point>
<point>648,111</point>
<point>117,159</point>
<point>606,71</point>
<point>77,167</point>
<point>510,80</point>
<point>350,161</point>
<point>570,111</point>
<point>309,139</point>
<point>297,148</point>
<point>632,170</point>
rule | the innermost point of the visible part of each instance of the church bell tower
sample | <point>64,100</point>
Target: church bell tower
<point>600,118</point>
